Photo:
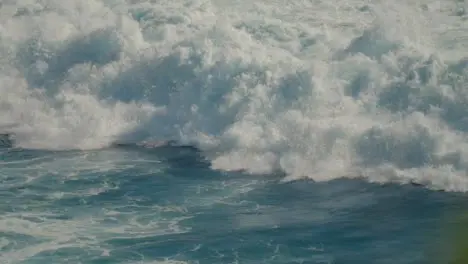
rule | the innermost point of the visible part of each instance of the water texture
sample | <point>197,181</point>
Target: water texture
<point>312,121</point>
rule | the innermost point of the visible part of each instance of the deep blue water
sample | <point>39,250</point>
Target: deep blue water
<point>140,205</point>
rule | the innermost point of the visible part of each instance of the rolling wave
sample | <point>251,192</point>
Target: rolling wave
<point>312,89</point>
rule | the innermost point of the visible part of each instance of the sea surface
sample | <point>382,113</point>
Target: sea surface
<point>301,131</point>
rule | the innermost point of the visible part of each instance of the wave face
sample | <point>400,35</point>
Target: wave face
<point>311,89</point>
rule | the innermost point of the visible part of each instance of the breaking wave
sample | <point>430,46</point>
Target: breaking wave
<point>314,90</point>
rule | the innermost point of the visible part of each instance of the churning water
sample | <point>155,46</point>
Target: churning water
<point>309,121</point>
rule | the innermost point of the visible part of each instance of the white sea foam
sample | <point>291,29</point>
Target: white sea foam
<point>314,89</point>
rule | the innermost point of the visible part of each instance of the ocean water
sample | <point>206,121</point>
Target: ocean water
<point>305,131</point>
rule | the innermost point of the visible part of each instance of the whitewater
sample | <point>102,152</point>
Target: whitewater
<point>303,115</point>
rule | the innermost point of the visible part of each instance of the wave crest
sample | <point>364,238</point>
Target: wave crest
<point>308,96</point>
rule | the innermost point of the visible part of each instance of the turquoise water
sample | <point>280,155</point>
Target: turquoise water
<point>301,131</point>
<point>167,206</point>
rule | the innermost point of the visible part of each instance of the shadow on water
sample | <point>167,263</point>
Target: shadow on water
<point>46,65</point>
<point>177,156</point>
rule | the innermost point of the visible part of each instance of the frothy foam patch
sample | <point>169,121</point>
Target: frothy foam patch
<point>53,212</point>
<point>339,90</point>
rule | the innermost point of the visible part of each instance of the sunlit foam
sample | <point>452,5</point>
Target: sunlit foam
<point>320,90</point>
